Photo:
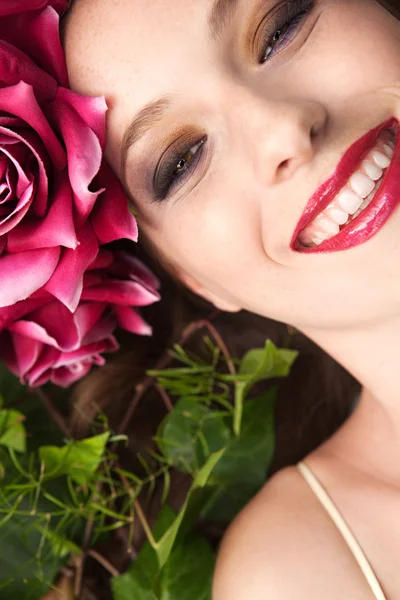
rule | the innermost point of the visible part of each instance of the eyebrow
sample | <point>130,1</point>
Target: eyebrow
<point>220,16</point>
<point>145,120</point>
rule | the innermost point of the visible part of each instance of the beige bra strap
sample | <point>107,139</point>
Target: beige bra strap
<point>340,523</point>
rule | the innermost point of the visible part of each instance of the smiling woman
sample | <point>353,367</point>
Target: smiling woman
<point>258,141</point>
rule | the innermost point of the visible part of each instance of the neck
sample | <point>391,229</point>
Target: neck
<point>370,440</point>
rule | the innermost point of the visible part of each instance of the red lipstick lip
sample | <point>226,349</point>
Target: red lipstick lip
<point>372,219</point>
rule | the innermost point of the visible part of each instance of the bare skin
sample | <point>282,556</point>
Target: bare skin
<point>272,133</point>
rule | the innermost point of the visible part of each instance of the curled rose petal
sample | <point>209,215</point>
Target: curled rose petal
<point>20,100</point>
<point>66,284</point>
<point>18,279</point>
<point>84,156</point>
<point>130,320</point>
<point>121,292</point>
<point>91,108</point>
<point>111,218</point>
<point>57,229</point>
<point>15,66</point>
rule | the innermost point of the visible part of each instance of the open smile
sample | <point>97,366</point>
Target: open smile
<point>355,203</point>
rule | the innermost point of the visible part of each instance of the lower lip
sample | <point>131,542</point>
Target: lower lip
<point>373,218</point>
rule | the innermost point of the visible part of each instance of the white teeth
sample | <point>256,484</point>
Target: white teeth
<point>324,224</point>
<point>361,184</point>
<point>348,201</point>
<point>320,237</point>
<point>389,150</point>
<point>372,170</point>
<point>352,200</point>
<point>381,159</point>
<point>337,214</point>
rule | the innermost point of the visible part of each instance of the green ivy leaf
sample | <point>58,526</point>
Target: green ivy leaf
<point>186,575</point>
<point>23,574</point>
<point>12,430</point>
<point>140,581</point>
<point>80,460</point>
<point>190,434</point>
<point>242,470</point>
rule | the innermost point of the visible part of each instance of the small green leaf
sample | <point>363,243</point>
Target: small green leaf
<point>258,365</point>
<point>190,434</point>
<point>61,545</point>
<point>189,511</point>
<point>80,460</point>
<point>12,430</point>
<point>266,363</point>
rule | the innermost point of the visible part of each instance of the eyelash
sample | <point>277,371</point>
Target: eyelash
<point>292,16</point>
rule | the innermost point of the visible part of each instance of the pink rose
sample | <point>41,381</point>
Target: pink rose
<point>41,340</point>
<point>58,199</point>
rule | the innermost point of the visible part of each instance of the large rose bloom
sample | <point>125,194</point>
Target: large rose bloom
<point>41,340</point>
<point>58,199</point>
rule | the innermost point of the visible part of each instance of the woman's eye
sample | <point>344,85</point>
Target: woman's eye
<point>176,169</point>
<point>284,26</point>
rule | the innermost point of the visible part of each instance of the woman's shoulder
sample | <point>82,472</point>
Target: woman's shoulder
<point>283,546</point>
<point>260,550</point>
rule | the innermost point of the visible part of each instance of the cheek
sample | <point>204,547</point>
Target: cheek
<point>216,235</point>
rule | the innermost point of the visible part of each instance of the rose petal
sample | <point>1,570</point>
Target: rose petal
<point>18,214</point>
<point>103,260</point>
<point>67,281</point>
<point>45,362</point>
<point>18,279</point>
<point>43,44</point>
<point>27,352</point>
<point>54,325</point>
<point>63,376</point>
<point>111,218</point>
<point>57,229</point>
<point>91,109</point>
<point>84,156</point>
<point>11,7</point>
<point>22,153</point>
<point>16,66</point>
<point>126,266</point>
<point>87,316</point>
<point>20,100</point>
<point>128,293</point>
<point>129,319</point>
<point>88,352</point>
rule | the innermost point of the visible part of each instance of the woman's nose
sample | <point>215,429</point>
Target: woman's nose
<point>281,137</point>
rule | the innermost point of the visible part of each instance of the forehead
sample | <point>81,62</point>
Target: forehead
<point>135,51</point>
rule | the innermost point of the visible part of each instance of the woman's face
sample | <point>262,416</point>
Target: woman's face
<point>256,102</point>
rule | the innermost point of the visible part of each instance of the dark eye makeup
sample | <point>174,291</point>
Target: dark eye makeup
<point>273,34</point>
<point>280,30</point>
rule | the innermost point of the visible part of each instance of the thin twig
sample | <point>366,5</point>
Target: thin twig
<point>53,412</point>
<point>165,397</point>
<point>104,563</point>
<point>80,561</point>
<point>166,360</point>
<point>123,536</point>
<point>222,345</point>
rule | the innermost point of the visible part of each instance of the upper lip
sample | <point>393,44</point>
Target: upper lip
<point>349,163</point>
